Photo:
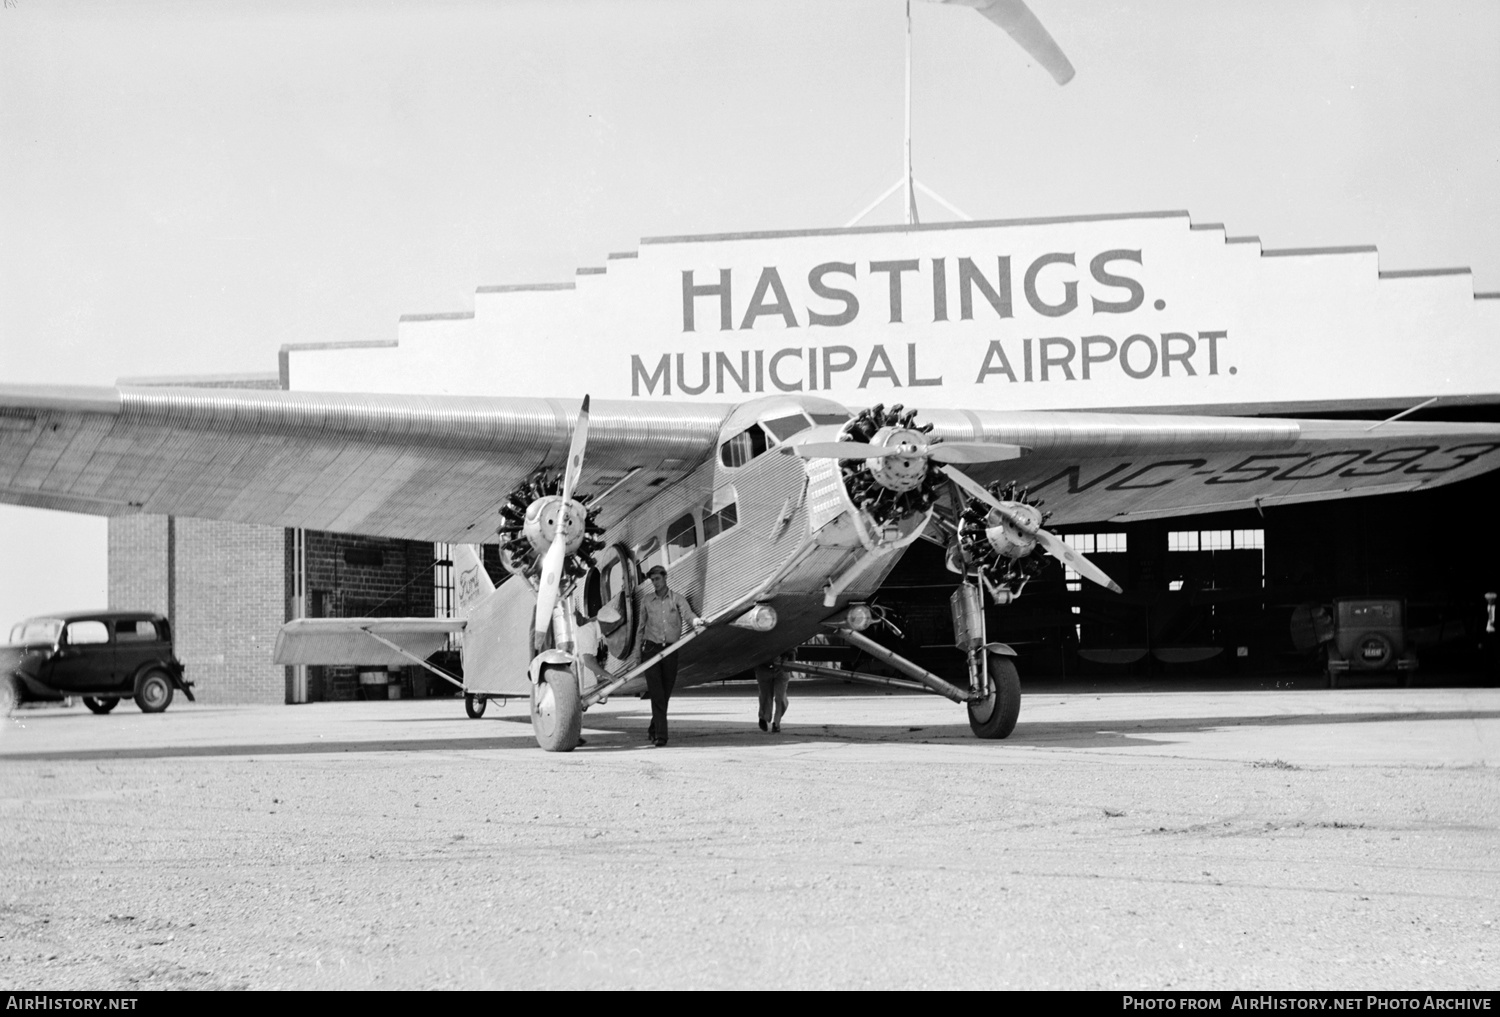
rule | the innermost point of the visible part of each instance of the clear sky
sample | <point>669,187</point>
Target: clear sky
<point>186,186</point>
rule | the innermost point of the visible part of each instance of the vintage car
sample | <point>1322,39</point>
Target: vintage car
<point>102,656</point>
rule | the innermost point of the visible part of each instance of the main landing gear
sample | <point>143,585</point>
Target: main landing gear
<point>557,708</point>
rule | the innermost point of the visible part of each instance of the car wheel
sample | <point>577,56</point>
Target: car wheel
<point>10,695</point>
<point>100,704</point>
<point>153,691</point>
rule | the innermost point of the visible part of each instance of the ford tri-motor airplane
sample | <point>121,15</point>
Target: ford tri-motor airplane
<point>779,517</point>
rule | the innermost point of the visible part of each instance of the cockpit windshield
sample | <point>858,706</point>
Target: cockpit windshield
<point>822,419</point>
<point>784,427</point>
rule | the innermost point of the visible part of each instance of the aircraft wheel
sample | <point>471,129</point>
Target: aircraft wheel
<point>556,713</point>
<point>100,704</point>
<point>996,716</point>
<point>474,705</point>
<point>153,692</point>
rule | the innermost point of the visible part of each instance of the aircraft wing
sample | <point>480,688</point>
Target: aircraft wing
<point>417,467</point>
<point>1117,467</point>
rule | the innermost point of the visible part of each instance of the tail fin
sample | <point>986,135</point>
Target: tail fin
<point>471,583</point>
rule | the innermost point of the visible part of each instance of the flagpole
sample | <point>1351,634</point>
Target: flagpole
<point>911,193</point>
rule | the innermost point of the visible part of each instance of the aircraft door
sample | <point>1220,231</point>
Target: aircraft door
<point>617,589</point>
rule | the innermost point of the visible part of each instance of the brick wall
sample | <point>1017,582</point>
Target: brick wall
<point>344,580</point>
<point>138,564</point>
<point>230,604</point>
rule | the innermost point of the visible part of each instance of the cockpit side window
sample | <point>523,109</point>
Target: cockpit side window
<point>743,447</point>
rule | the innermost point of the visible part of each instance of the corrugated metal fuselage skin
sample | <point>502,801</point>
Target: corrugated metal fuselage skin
<point>776,519</point>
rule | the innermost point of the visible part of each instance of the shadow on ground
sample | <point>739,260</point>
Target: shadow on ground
<point>615,733</point>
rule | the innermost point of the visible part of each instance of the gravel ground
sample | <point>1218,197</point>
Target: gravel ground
<point>1194,840</point>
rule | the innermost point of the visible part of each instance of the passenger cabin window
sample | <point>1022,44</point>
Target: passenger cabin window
<point>682,537</point>
<point>85,632</point>
<point>142,631</point>
<point>643,553</point>
<point>716,523</point>
<point>721,513</point>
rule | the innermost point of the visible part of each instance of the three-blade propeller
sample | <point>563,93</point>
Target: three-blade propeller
<point>549,585</point>
<point>941,452</point>
<point>1050,542</point>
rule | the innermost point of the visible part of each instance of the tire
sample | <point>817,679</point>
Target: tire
<point>556,713</point>
<point>996,716</point>
<point>101,704</point>
<point>474,705</point>
<point>153,691</point>
<point>10,695</point>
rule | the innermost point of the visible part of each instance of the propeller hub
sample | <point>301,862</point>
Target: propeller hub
<point>1010,540</point>
<point>905,470</point>
<point>546,514</point>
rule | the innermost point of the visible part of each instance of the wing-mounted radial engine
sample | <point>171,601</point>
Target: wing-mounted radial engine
<point>529,521</point>
<point>1003,555</point>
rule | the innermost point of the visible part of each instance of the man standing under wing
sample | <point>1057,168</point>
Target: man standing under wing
<point>663,616</point>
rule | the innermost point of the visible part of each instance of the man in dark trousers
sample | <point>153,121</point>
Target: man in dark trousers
<point>663,617</point>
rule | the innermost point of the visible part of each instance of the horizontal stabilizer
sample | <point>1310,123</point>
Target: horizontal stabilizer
<point>352,642</point>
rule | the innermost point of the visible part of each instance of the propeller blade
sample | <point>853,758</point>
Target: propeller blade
<point>963,480</point>
<point>1059,549</point>
<point>840,450</point>
<point>1051,543</point>
<point>973,452</point>
<point>549,583</point>
<point>548,586</point>
<point>1022,25</point>
<point>575,452</point>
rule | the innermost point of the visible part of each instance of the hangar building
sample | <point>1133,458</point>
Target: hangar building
<point>1135,312</point>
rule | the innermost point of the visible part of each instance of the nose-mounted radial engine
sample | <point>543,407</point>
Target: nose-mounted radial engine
<point>898,482</point>
<point>549,537</point>
<point>889,465</point>
<point>529,522</point>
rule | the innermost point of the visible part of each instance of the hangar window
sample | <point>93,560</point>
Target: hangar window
<point>723,513</point>
<point>682,536</point>
<point>84,632</point>
<point>743,447</point>
<point>368,557</point>
<point>442,580</point>
<point>1216,559</point>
